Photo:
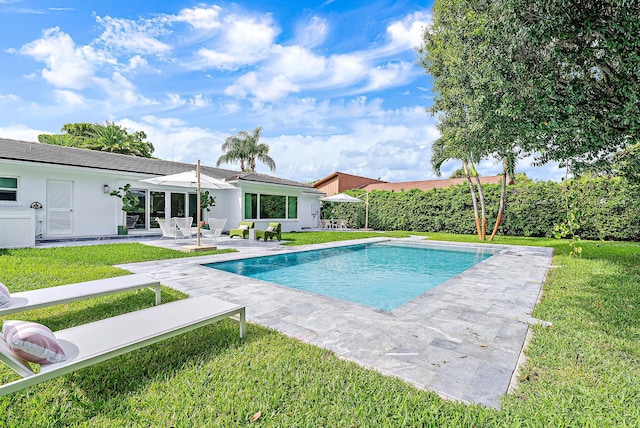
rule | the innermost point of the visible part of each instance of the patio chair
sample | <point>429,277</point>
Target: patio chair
<point>273,231</point>
<point>131,221</point>
<point>50,296</point>
<point>183,224</point>
<point>242,230</point>
<point>168,227</point>
<point>88,344</point>
<point>216,226</point>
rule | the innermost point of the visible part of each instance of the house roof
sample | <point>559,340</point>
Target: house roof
<point>28,151</point>
<point>344,174</point>
<point>427,184</point>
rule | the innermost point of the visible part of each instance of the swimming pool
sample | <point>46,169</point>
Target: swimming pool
<point>382,275</point>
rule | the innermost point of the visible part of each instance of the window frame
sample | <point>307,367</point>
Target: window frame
<point>9,190</point>
<point>255,201</point>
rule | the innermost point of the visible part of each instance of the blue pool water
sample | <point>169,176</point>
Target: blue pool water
<point>382,275</point>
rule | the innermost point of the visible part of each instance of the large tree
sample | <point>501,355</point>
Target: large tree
<point>245,149</point>
<point>107,137</point>
<point>471,88</point>
<point>558,79</point>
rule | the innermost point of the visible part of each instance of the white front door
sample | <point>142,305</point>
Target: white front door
<point>59,207</point>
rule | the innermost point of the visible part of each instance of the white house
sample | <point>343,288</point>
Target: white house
<point>54,192</point>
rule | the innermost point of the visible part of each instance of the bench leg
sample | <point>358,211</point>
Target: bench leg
<point>243,323</point>
<point>158,294</point>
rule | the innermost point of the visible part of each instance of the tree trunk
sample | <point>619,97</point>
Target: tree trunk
<point>502,197</point>
<point>473,198</point>
<point>482,207</point>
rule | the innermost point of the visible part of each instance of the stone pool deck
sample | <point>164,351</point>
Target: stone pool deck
<point>462,340</point>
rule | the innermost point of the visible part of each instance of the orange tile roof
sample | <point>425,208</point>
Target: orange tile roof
<point>427,184</point>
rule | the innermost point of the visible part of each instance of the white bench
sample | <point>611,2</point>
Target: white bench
<point>50,296</point>
<point>88,344</point>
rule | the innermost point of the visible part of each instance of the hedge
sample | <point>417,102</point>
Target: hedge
<point>604,208</point>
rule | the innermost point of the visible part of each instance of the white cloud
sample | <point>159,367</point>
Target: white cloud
<point>201,18</point>
<point>124,35</point>
<point>21,132</point>
<point>9,97</point>
<point>407,33</point>
<point>199,100</point>
<point>69,98</point>
<point>137,62</point>
<point>239,41</point>
<point>389,75</point>
<point>175,100</point>
<point>67,65</point>
<point>122,93</point>
<point>311,32</point>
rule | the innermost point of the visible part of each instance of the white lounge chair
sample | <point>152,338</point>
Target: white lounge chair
<point>216,225</point>
<point>184,226</point>
<point>40,298</point>
<point>169,229</point>
<point>88,344</point>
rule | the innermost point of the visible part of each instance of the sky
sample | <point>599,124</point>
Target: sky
<point>336,85</point>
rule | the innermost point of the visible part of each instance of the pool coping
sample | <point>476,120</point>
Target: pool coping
<point>463,339</point>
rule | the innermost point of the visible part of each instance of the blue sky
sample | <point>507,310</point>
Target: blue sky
<point>335,84</point>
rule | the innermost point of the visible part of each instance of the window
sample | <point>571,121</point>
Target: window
<point>250,205</point>
<point>273,206</point>
<point>270,206</point>
<point>8,189</point>
<point>292,207</point>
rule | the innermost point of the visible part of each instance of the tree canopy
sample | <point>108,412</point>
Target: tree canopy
<point>107,137</point>
<point>553,78</point>
<point>245,149</point>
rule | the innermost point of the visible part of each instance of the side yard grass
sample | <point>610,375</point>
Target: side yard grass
<point>584,371</point>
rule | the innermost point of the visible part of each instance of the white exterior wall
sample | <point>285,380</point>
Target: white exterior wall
<point>95,213</point>
<point>304,220</point>
<point>309,211</point>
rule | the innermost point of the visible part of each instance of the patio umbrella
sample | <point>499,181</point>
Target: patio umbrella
<point>191,179</point>
<point>343,197</point>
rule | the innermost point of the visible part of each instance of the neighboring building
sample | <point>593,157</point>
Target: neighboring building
<point>66,191</point>
<point>338,182</point>
<point>428,184</point>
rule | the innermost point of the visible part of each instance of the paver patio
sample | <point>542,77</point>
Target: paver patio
<point>462,339</point>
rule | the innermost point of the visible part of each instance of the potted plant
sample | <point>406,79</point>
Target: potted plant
<point>206,202</point>
<point>129,204</point>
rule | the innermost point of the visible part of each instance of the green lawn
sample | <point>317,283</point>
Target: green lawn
<point>584,371</point>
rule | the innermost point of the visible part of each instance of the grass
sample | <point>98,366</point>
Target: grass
<point>584,371</point>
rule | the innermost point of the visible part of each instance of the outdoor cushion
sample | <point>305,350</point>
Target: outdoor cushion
<point>273,231</point>
<point>242,230</point>
<point>5,297</point>
<point>32,341</point>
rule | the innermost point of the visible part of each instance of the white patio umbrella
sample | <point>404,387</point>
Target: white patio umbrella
<point>191,179</point>
<point>343,197</point>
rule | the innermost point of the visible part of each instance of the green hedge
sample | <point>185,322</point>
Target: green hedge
<point>605,208</point>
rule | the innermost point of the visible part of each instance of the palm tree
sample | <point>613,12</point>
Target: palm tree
<point>441,151</point>
<point>244,148</point>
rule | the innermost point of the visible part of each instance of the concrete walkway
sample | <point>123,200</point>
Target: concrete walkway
<point>462,339</point>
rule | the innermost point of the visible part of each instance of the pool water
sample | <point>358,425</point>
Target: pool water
<point>382,275</point>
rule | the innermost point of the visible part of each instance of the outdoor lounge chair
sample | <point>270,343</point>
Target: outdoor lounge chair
<point>273,231</point>
<point>88,344</point>
<point>131,221</point>
<point>242,230</point>
<point>184,226</point>
<point>169,229</point>
<point>216,225</point>
<point>50,296</point>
